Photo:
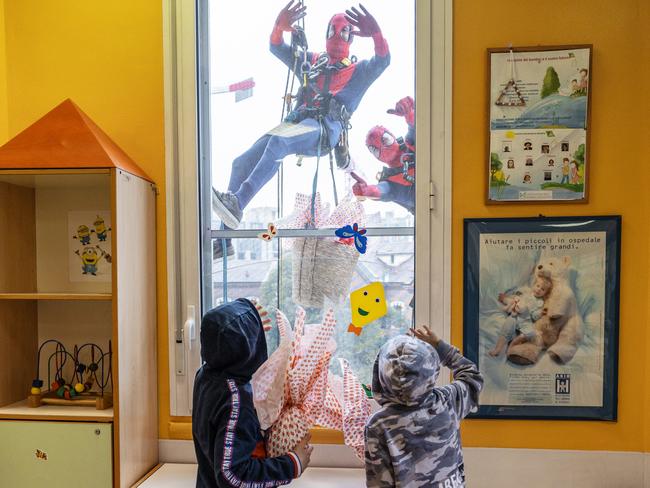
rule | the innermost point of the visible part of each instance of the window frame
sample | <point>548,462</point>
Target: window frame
<point>183,73</point>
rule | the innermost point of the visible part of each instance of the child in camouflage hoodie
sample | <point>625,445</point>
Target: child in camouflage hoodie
<point>413,441</point>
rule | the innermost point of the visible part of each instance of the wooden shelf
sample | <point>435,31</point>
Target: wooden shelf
<point>20,411</point>
<point>57,296</point>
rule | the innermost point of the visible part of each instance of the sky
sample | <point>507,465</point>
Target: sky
<point>239,49</point>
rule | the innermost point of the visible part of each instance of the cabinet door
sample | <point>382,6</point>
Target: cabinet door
<point>55,454</point>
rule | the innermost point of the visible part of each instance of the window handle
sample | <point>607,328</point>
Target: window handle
<point>189,327</point>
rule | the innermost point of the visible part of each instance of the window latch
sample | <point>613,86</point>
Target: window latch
<point>185,335</point>
<point>432,196</point>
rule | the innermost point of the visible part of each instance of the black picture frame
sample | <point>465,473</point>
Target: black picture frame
<point>600,341</point>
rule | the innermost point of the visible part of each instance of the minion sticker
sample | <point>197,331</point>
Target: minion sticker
<point>367,305</point>
<point>90,259</point>
<point>88,230</point>
<point>100,228</point>
<point>83,234</point>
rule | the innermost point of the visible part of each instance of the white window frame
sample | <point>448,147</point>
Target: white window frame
<point>433,184</point>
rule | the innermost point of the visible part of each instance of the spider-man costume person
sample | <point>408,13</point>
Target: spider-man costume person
<point>397,179</point>
<point>331,96</point>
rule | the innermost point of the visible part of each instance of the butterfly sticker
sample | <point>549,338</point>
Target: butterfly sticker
<point>41,455</point>
<point>270,233</point>
<point>353,231</point>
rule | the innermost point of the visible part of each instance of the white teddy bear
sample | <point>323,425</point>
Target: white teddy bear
<point>561,320</point>
<point>562,308</point>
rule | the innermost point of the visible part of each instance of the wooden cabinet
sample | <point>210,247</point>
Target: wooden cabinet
<point>56,454</point>
<point>47,292</point>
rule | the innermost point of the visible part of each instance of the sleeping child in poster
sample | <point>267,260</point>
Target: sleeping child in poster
<point>549,322</point>
<point>523,307</point>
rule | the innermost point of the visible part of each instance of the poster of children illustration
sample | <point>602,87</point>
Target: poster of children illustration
<point>539,307</point>
<point>539,106</point>
<point>89,255</point>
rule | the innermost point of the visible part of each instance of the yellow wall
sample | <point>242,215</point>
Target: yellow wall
<point>618,183</point>
<point>645,132</point>
<point>3,77</point>
<point>107,56</point>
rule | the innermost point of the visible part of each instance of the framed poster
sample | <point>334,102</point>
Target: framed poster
<point>541,301</point>
<point>538,137</point>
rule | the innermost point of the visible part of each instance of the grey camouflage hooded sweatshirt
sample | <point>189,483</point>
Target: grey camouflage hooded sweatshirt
<point>413,441</point>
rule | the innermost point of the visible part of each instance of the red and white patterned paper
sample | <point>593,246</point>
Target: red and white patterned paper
<point>305,386</point>
<point>356,411</point>
<point>293,389</point>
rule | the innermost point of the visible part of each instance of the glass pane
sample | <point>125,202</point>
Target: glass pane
<point>266,154</point>
<point>253,272</point>
<point>246,165</point>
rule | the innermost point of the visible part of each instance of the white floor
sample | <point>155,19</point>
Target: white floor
<point>184,476</point>
<point>334,467</point>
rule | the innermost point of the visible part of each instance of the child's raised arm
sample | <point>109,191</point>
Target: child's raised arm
<point>464,390</point>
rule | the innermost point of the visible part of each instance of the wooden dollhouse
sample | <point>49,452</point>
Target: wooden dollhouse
<point>55,173</point>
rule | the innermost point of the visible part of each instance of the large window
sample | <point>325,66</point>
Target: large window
<point>311,143</point>
<point>246,142</point>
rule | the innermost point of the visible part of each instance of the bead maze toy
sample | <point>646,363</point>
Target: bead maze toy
<point>91,392</point>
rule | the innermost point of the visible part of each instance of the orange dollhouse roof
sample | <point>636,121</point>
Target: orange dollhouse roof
<point>65,138</point>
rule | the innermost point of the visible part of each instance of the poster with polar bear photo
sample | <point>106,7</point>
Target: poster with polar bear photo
<point>541,315</point>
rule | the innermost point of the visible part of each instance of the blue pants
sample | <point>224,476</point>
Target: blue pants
<point>400,194</point>
<point>253,169</point>
<point>565,179</point>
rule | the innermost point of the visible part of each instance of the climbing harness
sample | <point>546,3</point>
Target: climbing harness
<point>407,163</point>
<point>310,101</point>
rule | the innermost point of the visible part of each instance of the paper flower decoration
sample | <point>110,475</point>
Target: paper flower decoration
<point>294,391</point>
<point>303,377</point>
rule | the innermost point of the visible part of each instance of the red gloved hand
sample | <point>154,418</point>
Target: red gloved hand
<point>289,15</point>
<point>362,189</point>
<point>359,188</point>
<point>365,23</point>
<point>405,108</point>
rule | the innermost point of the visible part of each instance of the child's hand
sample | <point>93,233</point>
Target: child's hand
<point>303,451</point>
<point>424,333</point>
<point>520,339</point>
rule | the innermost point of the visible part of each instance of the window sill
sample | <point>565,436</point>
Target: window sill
<point>183,431</point>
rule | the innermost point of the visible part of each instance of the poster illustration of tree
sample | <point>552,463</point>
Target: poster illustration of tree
<point>539,114</point>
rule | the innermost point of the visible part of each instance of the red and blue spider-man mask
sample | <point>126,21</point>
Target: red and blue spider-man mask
<point>339,38</point>
<point>382,144</point>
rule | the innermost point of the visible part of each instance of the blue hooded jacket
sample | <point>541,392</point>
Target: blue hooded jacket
<point>225,426</point>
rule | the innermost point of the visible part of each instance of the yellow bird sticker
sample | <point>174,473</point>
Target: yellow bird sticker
<point>367,304</point>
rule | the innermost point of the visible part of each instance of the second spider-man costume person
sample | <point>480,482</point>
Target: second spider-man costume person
<point>337,89</point>
<point>397,179</point>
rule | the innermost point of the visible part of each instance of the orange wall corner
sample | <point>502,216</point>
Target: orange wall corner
<point>645,74</point>
<point>618,185</point>
<point>108,58</point>
<point>4,111</point>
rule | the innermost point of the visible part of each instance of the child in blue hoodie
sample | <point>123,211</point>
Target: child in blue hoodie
<point>227,436</point>
<point>413,441</point>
